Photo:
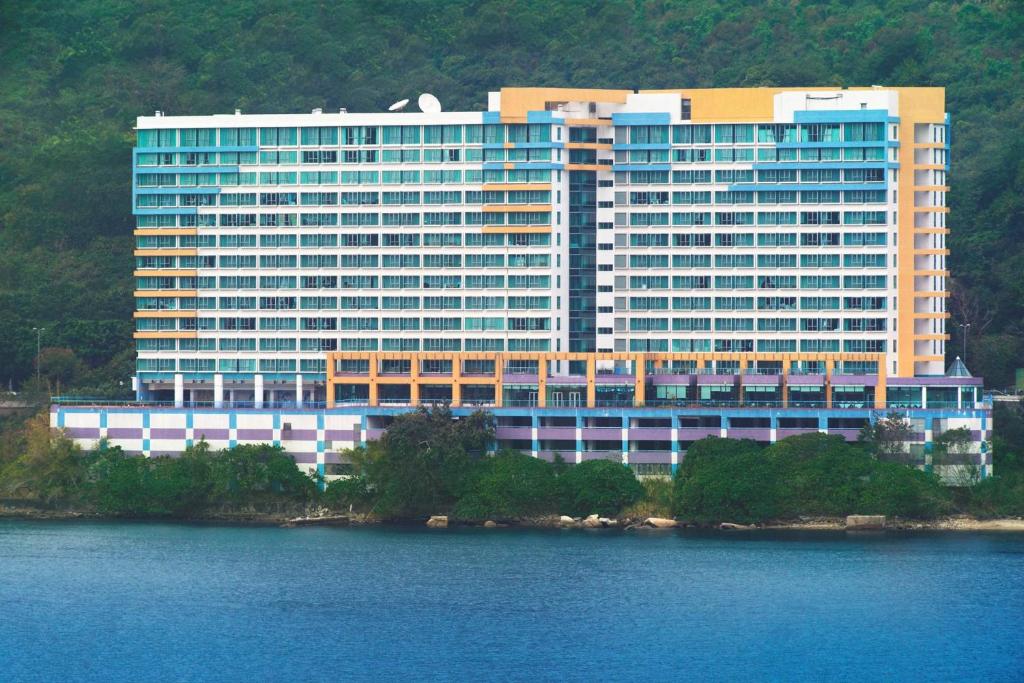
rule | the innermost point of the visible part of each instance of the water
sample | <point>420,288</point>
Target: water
<point>141,602</point>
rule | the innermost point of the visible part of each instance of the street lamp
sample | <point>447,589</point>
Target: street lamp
<point>966,327</point>
<point>39,336</point>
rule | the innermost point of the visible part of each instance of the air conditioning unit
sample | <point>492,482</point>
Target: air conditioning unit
<point>286,427</point>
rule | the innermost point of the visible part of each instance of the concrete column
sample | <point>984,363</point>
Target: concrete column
<point>929,438</point>
<point>298,391</point>
<point>579,437</point>
<point>625,440</point>
<point>218,390</point>
<point>257,391</point>
<point>456,382</point>
<point>542,382</point>
<point>725,427</point>
<point>534,427</point>
<point>179,390</point>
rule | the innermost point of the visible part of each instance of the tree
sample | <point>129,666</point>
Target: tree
<point>601,487</point>
<point>888,438</point>
<point>952,451</point>
<point>58,365</point>
<point>509,485</point>
<point>47,466</point>
<point>421,465</point>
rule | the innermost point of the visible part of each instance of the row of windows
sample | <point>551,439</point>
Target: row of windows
<point>469,303</point>
<point>779,239</point>
<point>355,344</point>
<point>763,345</point>
<point>763,197</point>
<point>291,136</point>
<point>251,220</point>
<point>742,133</point>
<point>686,134</point>
<point>647,219</point>
<point>427,239</point>
<point>699,177</point>
<point>705,155</point>
<point>740,303</point>
<point>656,240</point>
<point>749,282</point>
<point>199,159</point>
<point>689,324</point>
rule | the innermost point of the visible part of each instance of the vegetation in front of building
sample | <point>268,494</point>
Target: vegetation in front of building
<point>428,463</point>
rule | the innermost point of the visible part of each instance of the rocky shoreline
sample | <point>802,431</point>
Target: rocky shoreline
<point>952,523</point>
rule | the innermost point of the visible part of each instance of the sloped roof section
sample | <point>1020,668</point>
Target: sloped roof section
<point>958,369</point>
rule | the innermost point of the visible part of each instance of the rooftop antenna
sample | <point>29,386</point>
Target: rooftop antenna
<point>429,104</point>
<point>399,105</point>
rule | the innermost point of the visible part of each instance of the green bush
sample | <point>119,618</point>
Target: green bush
<point>656,501</point>
<point>509,486</point>
<point>811,474</point>
<point>600,487</point>
<point>998,496</point>
<point>423,462</point>
<point>899,491</point>
<point>725,480</point>
<point>348,494</point>
<point>150,487</point>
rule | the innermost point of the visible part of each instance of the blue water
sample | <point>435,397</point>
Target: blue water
<point>142,602</point>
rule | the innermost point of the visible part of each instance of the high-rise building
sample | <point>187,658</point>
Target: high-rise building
<point>612,273</point>
<point>725,221</point>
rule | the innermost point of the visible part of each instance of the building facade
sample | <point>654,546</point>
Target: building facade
<point>577,250</point>
<point>704,221</point>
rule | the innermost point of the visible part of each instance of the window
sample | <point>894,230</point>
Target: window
<point>278,137</point>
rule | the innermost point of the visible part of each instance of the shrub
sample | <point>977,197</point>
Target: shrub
<point>810,474</point>
<point>728,480</point>
<point>509,485</point>
<point>656,501</point>
<point>897,490</point>
<point>600,487</point>
<point>348,494</point>
<point>998,496</point>
<point>421,466</point>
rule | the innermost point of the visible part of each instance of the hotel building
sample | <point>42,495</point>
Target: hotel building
<point>607,270</point>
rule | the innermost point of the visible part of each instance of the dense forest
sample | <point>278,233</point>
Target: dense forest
<point>74,75</point>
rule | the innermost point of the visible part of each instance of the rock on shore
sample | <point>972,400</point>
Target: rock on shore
<point>857,522</point>
<point>438,522</point>
<point>660,523</point>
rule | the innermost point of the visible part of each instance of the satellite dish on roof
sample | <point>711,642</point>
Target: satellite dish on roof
<point>429,104</point>
<point>399,105</point>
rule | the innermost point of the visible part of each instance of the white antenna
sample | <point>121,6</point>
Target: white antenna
<point>429,104</point>
<point>399,105</point>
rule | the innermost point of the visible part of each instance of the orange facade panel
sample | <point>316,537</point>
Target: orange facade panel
<point>166,272</point>
<point>165,314</point>
<point>165,335</point>
<point>166,231</point>
<point>166,252</point>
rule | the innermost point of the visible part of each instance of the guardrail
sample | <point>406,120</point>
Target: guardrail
<point>651,404</point>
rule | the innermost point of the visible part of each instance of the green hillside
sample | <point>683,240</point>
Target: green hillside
<point>74,75</point>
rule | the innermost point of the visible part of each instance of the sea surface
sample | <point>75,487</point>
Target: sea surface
<point>85,601</point>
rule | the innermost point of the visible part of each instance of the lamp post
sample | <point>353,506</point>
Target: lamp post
<point>39,336</point>
<point>966,327</point>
